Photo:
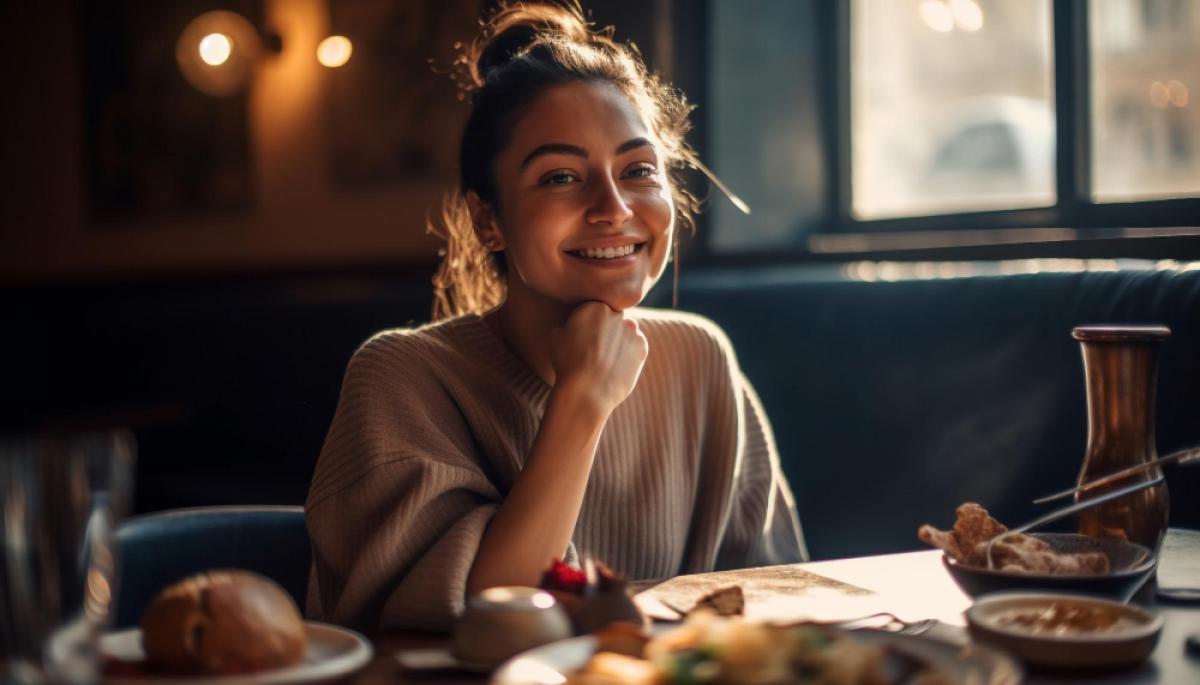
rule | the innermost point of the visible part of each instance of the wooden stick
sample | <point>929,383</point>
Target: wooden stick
<point>1187,456</point>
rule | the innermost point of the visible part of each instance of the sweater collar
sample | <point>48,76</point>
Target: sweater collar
<point>489,350</point>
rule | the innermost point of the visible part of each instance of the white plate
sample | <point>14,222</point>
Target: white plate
<point>333,652</point>
<point>973,664</point>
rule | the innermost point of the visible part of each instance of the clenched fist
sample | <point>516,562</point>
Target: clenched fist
<point>598,354</point>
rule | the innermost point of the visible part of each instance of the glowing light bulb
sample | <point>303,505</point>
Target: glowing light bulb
<point>334,51</point>
<point>215,49</point>
<point>937,16</point>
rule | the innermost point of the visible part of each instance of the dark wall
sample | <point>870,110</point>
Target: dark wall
<point>229,385</point>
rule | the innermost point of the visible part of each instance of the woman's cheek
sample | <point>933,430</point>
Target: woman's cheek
<point>659,209</point>
<point>662,218</point>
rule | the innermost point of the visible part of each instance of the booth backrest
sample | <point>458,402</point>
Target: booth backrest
<point>156,550</point>
<point>894,401</point>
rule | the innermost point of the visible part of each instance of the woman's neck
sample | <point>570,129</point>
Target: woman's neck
<point>525,323</point>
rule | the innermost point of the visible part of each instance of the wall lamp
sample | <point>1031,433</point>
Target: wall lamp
<point>217,51</point>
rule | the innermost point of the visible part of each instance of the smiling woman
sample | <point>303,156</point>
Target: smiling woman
<point>547,416</point>
<point>585,219</point>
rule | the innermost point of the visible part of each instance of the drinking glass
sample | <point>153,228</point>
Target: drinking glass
<point>60,498</point>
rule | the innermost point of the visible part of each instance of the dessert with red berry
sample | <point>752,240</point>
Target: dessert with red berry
<point>592,604</point>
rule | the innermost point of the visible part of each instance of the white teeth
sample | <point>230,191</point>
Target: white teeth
<point>606,252</point>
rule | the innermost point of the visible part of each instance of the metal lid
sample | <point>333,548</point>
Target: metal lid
<point>1113,332</point>
<point>512,598</point>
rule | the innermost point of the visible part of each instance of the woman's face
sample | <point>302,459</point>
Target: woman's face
<point>584,205</point>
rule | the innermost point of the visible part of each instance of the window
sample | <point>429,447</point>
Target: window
<point>848,126</point>
<point>764,63</point>
<point>951,106</point>
<point>1145,58</point>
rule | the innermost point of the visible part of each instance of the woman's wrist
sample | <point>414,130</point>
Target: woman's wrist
<point>576,398</point>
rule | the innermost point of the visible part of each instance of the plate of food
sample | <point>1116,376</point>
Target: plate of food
<point>229,627</point>
<point>1051,562</point>
<point>711,648</point>
<point>1065,631</point>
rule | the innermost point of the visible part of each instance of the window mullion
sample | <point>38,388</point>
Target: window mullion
<point>1071,102</point>
<point>839,115</point>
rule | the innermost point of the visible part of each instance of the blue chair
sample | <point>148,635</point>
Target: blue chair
<point>160,548</point>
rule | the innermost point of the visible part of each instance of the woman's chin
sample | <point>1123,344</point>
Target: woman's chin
<point>619,301</point>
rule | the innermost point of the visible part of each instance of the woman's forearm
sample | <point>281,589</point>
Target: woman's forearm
<point>536,520</point>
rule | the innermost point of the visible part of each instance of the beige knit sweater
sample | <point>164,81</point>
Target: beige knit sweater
<point>432,429</point>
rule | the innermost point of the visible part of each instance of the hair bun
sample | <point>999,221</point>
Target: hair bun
<point>504,46</point>
<point>514,28</point>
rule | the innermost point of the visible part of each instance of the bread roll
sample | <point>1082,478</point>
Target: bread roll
<point>222,622</point>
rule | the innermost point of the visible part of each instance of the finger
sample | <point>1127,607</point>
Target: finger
<point>643,339</point>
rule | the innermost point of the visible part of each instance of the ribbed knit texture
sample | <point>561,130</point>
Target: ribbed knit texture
<point>432,429</point>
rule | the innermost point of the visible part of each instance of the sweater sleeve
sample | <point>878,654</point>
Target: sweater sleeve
<point>763,528</point>
<point>397,506</point>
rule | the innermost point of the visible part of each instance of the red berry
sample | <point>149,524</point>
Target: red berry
<point>563,578</point>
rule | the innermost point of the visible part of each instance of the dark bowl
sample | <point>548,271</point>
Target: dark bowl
<point>1130,565</point>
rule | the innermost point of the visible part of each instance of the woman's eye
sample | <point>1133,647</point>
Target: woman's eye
<point>558,178</point>
<point>642,171</point>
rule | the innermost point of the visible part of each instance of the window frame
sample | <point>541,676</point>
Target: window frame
<point>1093,229</point>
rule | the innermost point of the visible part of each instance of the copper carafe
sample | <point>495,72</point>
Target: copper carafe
<point>1120,364</point>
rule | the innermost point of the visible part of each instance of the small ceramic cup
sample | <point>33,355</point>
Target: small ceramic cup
<point>501,622</point>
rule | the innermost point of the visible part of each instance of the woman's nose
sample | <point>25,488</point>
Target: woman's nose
<point>607,205</point>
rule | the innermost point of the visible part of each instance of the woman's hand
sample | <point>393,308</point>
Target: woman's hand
<point>598,355</point>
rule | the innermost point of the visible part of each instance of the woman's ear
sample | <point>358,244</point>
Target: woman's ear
<point>483,220</point>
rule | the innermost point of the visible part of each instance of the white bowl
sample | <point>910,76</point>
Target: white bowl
<point>1128,641</point>
<point>502,621</point>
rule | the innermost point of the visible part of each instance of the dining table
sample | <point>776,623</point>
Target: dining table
<point>912,586</point>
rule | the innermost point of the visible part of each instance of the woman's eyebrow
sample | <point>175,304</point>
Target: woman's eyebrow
<point>553,149</point>
<point>633,144</point>
<point>575,150</point>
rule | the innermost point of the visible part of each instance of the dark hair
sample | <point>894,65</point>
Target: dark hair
<point>521,51</point>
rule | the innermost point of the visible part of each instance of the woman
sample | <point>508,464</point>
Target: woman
<point>545,417</point>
